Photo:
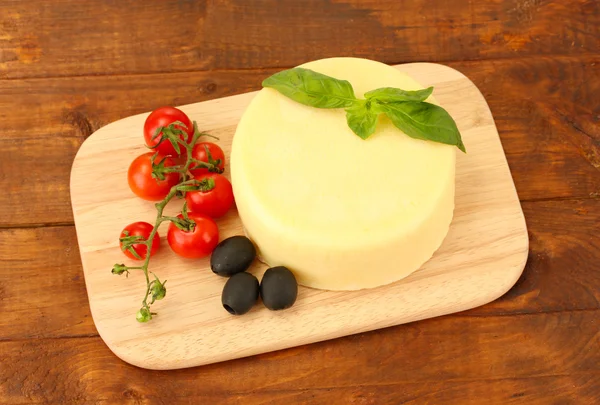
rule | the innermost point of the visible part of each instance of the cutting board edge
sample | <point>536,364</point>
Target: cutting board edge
<point>516,271</point>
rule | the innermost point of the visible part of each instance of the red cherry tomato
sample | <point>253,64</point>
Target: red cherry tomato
<point>142,229</point>
<point>197,243</point>
<point>141,182</point>
<point>214,202</point>
<point>163,117</point>
<point>201,152</point>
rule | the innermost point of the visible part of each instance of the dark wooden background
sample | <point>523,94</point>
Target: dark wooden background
<point>68,67</point>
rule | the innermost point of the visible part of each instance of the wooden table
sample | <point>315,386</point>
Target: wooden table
<point>69,67</point>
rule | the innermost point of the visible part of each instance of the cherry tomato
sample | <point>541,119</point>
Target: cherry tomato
<point>197,243</point>
<point>141,182</point>
<point>142,229</point>
<point>163,117</point>
<point>214,202</point>
<point>216,154</point>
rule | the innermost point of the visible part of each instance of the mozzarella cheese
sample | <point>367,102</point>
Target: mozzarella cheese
<point>342,213</point>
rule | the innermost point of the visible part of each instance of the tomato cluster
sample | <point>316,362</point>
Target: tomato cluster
<point>174,160</point>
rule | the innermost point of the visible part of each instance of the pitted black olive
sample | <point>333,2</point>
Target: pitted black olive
<point>240,293</point>
<point>278,288</point>
<point>232,255</point>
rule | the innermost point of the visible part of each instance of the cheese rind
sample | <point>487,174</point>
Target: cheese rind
<point>341,212</point>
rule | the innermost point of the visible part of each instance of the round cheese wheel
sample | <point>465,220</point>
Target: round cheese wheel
<point>341,212</point>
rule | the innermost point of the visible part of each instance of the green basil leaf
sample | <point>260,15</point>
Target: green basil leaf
<point>390,94</point>
<point>424,121</point>
<point>362,119</point>
<point>312,88</point>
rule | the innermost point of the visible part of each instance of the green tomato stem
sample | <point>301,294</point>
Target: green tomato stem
<point>184,184</point>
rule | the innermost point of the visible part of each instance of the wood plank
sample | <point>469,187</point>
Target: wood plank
<point>42,290</point>
<point>564,252</point>
<point>549,132</point>
<point>507,359</point>
<point>65,38</point>
<point>570,389</point>
<point>547,112</point>
<point>77,106</point>
<point>560,274</point>
<point>577,388</point>
<point>34,174</point>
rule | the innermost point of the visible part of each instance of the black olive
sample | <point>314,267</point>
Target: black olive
<point>240,293</point>
<point>278,288</point>
<point>232,255</point>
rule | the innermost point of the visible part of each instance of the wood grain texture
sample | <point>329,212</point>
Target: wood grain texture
<point>67,38</point>
<point>548,114</point>
<point>550,133</point>
<point>535,61</point>
<point>42,290</point>
<point>44,295</point>
<point>67,111</point>
<point>470,269</point>
<point>541,359</point>
<point>563,256</point>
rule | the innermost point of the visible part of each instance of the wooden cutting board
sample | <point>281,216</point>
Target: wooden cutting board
<point>481,258</point>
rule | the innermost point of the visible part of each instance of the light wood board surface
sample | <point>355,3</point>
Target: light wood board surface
<point>481,258</point>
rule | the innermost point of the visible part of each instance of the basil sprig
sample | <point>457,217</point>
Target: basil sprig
<point>407,110</point>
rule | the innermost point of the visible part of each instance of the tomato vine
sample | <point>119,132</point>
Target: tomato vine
<point>173,133</point>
